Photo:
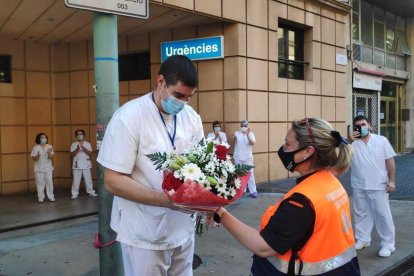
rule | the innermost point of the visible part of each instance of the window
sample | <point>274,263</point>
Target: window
<point>134,66</point>
<point>5,69</point>
<point>290,42</point>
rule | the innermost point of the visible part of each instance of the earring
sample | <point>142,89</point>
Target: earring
<point>304,158</point>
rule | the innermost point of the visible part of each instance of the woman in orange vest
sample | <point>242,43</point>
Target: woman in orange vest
<point>308,232</point>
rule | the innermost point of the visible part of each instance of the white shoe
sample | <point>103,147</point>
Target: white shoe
<point>385,251</point>
<point>359,245</point>
<point>93,194</point>
<point>74,197</point>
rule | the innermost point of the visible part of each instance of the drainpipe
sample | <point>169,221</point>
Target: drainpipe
<point>105,40</point>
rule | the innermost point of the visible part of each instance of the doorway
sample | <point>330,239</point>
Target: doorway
<point>390,125</point>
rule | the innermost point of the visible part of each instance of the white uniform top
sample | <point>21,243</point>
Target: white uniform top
<point>81,161</point>
<point>44,164</point>
<point>134,131</point>
<point>368,167</point>
<point>243,150</point>
<point>222,135</point>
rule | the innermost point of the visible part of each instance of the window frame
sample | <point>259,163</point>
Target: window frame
<point>7,69</point>
<point>299,49</point>
<point>139,75</point>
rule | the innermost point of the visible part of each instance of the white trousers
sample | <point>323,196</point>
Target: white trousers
<point>44,180</point>
<point>252,181</point>
<point>373,207</point>
<point>87,177</point>
<point>172,262</point>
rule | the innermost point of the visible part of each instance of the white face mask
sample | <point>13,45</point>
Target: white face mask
<point>79,137</point>
<point>43,141</point>
<point>243,129</point>
<point>217,128</point>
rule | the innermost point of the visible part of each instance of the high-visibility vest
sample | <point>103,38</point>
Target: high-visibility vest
<point>332,243</point>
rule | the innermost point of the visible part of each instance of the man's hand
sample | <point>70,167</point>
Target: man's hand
<point>390,187</point>
<point>355,135</point>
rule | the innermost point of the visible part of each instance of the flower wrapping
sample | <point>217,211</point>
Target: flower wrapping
<point>203,177</point>
<point>194,196</point>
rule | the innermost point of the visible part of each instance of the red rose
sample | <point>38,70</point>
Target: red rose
<point>221,152</point>
<point>170,182</point>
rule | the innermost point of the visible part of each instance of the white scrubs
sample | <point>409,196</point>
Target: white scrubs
<point>212,136</point>
<point>243,154</point>
<point>43,170</point>
<point>369,178</point>
<point>151,237</point>
<point>81,165</point>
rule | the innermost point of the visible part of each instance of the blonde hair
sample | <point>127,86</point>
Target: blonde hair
<point>319,134</point>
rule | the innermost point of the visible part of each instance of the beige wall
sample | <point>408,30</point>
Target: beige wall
<point>52,84</point>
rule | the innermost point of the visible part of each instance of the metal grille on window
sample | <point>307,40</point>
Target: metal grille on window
<point>366,103</point>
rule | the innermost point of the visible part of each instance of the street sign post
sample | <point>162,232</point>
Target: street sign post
<point>132,8</point>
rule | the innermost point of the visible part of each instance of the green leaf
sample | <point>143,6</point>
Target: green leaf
<point>158,159</point>
<point>242,169</point>
<point>209,148</point>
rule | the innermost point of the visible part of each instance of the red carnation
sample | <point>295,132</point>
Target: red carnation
<point>221,152</point>
<point>170,182</point>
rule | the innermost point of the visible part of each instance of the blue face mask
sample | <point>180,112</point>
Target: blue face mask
<point>364,131</point>
<point>172,105</point>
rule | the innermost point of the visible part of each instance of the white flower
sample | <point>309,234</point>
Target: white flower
<point>229,166</point>
<point>232,191</point>
<point>191,171</point>
<point>177,174</point>
<point>237,183</point>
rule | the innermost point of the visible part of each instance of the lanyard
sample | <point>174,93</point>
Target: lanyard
<point>172,138</point>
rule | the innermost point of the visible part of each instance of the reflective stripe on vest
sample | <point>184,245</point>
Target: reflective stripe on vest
<point>332,226</point>
<point>316,267</point>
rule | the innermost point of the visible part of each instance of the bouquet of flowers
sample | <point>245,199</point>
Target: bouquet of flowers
<point>202,178</point>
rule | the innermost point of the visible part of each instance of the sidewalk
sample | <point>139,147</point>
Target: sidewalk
<point>65,248</point>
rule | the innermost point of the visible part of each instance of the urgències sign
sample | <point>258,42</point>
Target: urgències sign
<point>194,49</point>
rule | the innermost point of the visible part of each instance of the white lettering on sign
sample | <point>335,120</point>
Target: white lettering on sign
<point>185,50</point>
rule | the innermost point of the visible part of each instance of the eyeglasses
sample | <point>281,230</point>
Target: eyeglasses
<point>305,122</point>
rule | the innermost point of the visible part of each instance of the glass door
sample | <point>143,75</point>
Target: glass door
<point>389,119</point>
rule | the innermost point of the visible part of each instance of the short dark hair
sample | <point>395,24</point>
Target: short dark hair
<point>216,123</point>
<point>81,130</point>
<point>360,118</point>
<point>37,140</point>
<point>179,68</point>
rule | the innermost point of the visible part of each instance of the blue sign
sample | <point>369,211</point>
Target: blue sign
<point>194,49</point>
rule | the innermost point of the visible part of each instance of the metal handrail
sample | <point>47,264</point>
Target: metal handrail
<point>285,60</point>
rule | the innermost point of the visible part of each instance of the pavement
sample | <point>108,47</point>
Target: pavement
<point>55,238</point>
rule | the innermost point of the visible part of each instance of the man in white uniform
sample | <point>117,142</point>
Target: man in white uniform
<point>217,134</point>
<point>81,164</point>
<point>243,152</point>
<point>372,178</point>
<point>156,237</point>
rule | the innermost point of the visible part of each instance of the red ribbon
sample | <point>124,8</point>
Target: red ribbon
<point>97,243</point>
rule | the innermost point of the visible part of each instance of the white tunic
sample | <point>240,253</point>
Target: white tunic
<point>81,161</point>
<point>243,150</point>
<point>368,167</point>
<point>134,131</point>
<point>44,164</point>
<point>212,136</point>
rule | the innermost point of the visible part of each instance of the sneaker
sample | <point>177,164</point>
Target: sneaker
<point>74,197</point>
<point>93,194</point>
<point>52,199</point>
<point>40,200</point>
<point>253,195</point>
<point>359,245</point>
<point>385,251</point>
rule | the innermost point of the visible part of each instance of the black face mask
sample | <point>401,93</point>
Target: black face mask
<point>288,158</point>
